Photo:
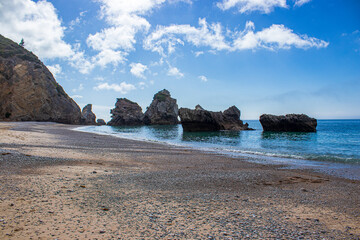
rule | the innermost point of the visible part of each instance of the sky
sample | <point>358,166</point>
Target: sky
<point>263,56</point>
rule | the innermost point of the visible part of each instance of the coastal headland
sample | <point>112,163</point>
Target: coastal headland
<point>57,183</point>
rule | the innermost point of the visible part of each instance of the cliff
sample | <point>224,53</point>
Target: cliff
<point>28,90</point>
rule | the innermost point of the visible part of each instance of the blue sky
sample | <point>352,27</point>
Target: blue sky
<point>270,56</point>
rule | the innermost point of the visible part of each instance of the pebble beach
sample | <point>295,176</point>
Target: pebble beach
<point>57,183</point>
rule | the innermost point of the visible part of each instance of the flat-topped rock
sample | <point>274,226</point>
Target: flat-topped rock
<point>200,120</point>
<point>100,122</point>
<point>126,113</point>
<point>288,123</point>
<point>163,110</point>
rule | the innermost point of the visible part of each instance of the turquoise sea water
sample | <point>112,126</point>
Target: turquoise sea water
<point>334,141</point>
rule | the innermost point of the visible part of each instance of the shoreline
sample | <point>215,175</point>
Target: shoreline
<point>60,183</point>
<point>349,171</point>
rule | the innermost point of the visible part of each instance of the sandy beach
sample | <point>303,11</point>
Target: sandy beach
<point>56,183</point>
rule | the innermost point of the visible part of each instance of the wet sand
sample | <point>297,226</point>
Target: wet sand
<point>56,183</point>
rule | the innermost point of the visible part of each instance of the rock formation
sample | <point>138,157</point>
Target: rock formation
<point>87,116</point>
<point>28,90</point>
<point>101,122</point>
<point>163,110</point>
<point>126,113</point>
<point>200,120</point>
<point>288,123</point>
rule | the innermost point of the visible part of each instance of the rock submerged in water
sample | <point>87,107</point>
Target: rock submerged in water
<point>28,90</point>
<point>100,122</point>
<point>163,110</point>
<point>200,120</point>
<point>126,113</point>
<point>87,116</point>
<point>288,123</point>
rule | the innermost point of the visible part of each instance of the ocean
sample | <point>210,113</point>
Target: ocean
<point>336,144</point>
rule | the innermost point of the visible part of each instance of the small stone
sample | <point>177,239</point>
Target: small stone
<point>94,172</point>
<point>102,231</point>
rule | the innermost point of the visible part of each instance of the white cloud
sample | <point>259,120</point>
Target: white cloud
<point>100,79</point>
<point>274,37</point>
<point>122,87</point>
<point>301,2</point>
<point>107,56</point>
<point>79,61</point>
<point>203,78</point>
<point>76,97</point>
<point>38,24</point>
<point>55,69</point>
<point>138,69</point>
<point>125,20</point>
<point>142,85</point>
<point>245,6</point>
<point>197,54</point>
<point>40,27</point>
<point>164,39</point>
<point>77,20</point>
<point>174,72</point>
<point>80,88</point>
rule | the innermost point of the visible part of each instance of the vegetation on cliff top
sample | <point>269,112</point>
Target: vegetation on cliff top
<point>10,49</point>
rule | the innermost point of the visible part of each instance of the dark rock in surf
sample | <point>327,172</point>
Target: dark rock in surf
<point>288,123</point>
<point>200,120</point>
<point>126,113</point>
<point>163,110</point>
<point>100,122</point>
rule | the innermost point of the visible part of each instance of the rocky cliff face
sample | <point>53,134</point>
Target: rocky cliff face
<point>200,120</point>
<point>288,123</point>
<point>126,113</point>
<point>87,116</point>
<point>163,110</point>
<point>28,90</point>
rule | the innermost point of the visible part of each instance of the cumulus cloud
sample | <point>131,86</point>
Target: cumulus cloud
<point>38,24</point>
<point>245,6</point>
<point>301,2</point>
<point>55,69</point>
<point>275,37</point>
<point>123,87</point>
<point>203,78</point>
<point>198,53</point>
<point>164,39</point>
<point>175,72</point>
<point>125,20</point>
<point>77,21</point>
<point>138,69</point>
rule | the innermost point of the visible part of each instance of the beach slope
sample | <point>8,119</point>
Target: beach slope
<point>65,184</point>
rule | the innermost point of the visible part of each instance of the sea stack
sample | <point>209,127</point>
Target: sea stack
<point>28,90</point>
<point>200,120</point>
<point>126,113</point>
<point>163,110</point>
<point>100,122</point>
<point>288,123</point>
<point>87,116</point>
